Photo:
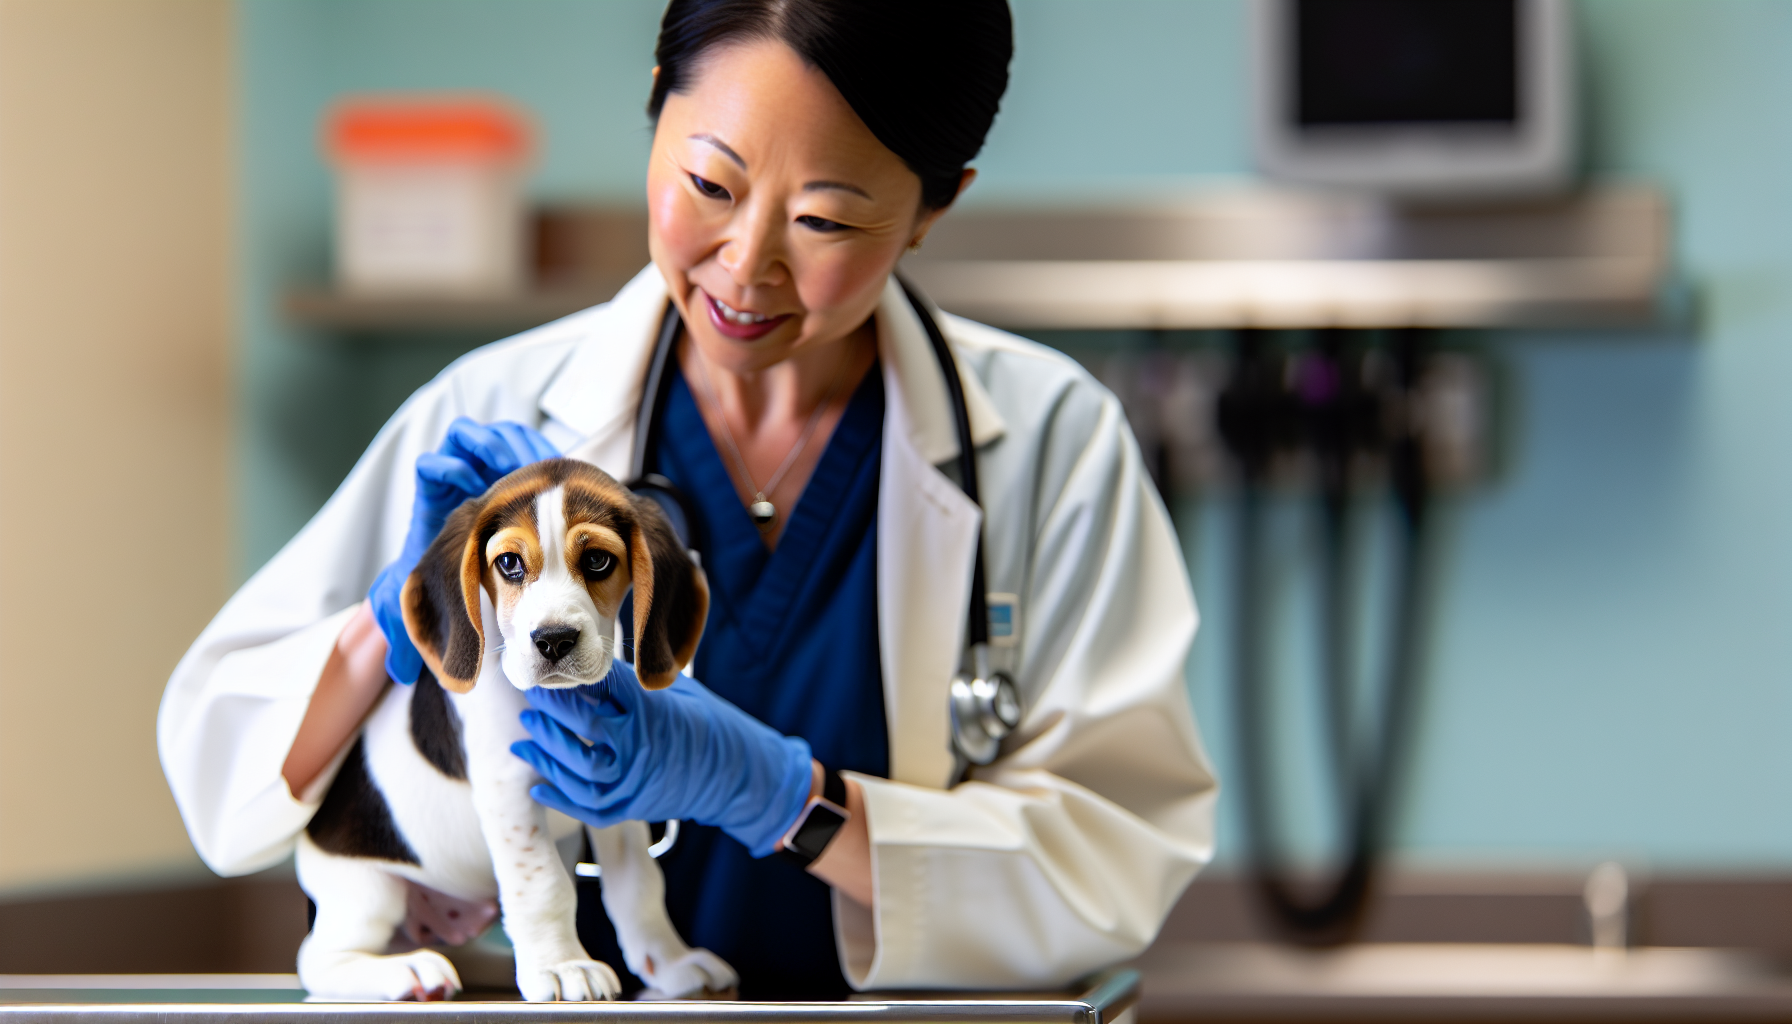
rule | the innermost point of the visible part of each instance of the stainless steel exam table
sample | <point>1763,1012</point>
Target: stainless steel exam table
<point>276,999</point>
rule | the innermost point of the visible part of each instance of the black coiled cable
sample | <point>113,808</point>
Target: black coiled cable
<point>1261,416</point>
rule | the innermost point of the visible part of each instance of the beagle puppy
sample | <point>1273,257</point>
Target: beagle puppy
<point>521,589</point>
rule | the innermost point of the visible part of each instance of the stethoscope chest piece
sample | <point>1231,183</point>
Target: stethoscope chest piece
<point>985,708</point>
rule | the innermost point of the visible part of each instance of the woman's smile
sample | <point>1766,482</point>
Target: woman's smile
<point>740,324</point>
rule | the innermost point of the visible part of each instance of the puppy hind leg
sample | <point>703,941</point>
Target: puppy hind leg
<point>359,907</point>
<point>635,900</point>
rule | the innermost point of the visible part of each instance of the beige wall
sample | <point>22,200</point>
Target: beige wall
<point>115,202</point>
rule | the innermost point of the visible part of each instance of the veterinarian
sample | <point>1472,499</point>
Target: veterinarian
<point>800,148</point>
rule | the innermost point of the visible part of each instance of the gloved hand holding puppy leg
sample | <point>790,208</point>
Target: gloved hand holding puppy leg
<point>681,753</point>
<point>472,458</point>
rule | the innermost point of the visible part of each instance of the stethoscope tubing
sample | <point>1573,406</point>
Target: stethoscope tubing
<point>976,627</point>
<point>979,715</point>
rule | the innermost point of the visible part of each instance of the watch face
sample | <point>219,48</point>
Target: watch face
<point>817,830</point>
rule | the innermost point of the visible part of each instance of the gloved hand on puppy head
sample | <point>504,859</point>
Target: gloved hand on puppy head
<point>681,753</point>
<point>471,458</point>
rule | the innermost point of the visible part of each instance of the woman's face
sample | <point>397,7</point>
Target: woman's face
<point>775,215</point>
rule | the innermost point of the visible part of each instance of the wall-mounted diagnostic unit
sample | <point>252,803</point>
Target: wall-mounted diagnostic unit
<point>1445,98</point>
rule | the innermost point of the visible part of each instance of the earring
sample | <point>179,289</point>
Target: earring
<point>915,246</point>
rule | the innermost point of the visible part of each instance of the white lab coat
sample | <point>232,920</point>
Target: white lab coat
<point>1062,857</point>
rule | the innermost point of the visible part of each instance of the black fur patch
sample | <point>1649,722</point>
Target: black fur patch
<point>435,727</point>
<point>354,820</point>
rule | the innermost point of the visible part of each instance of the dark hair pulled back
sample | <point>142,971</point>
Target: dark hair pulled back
<point>926,76</point>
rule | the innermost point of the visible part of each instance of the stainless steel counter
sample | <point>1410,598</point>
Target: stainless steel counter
<point>1413,982</point>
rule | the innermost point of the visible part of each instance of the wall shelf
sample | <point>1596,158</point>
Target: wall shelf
<point>1600,258</point>
<point>326,309</point>
<point>1248,257</point>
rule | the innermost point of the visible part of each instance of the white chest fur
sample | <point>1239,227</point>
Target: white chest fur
<point>435,814</point>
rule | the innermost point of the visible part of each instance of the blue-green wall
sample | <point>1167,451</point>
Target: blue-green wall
<point>1613,663</point>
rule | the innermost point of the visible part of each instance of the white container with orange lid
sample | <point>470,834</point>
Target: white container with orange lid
<point>428,196</point>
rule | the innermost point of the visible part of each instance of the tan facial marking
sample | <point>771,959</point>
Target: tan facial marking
<point>606,593</point>
<point>519,540</point>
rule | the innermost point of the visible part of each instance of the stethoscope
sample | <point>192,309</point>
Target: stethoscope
<point>985,704</point>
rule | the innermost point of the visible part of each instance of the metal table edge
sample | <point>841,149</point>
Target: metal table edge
<point>1112,993</point>
<point>1109,994</point>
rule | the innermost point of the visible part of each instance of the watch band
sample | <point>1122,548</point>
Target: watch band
<point>820,822</point>
<point>833,788</point>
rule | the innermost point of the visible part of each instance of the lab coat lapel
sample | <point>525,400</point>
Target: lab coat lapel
<point>598,391</point>
<point>926,545</point>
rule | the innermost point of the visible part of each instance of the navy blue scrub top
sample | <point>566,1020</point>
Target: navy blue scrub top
<point>791,640</point>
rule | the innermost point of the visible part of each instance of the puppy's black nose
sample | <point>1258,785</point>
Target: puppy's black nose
<point>555,642</point>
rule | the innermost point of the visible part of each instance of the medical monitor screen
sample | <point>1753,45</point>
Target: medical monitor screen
<point>1364,63</point>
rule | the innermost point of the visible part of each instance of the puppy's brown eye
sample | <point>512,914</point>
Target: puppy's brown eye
<point>597,564</point>
<point>510,565</point>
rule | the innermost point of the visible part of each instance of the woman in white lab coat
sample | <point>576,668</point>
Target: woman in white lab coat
<point>800,148</point>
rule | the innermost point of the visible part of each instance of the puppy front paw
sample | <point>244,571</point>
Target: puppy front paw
<point>421,976</point>
<point>696,974</point>
<point>572,981</point>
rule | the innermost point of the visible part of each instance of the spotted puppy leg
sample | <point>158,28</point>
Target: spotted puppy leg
<point>535,893</point>
<point>635,899</point>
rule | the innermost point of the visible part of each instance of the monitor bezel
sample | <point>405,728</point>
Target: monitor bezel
<point>1424,160</point>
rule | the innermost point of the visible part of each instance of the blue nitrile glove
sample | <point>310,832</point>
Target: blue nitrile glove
<point>681,753</point>
<point>472,457</point>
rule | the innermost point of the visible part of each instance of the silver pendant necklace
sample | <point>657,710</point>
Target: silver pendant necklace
<point>762,510</point>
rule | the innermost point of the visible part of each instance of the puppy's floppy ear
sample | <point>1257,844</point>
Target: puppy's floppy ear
<point>671,597</point>
<point>440,601</point>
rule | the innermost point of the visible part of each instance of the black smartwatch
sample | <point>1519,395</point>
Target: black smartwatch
<point>819,823</point>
